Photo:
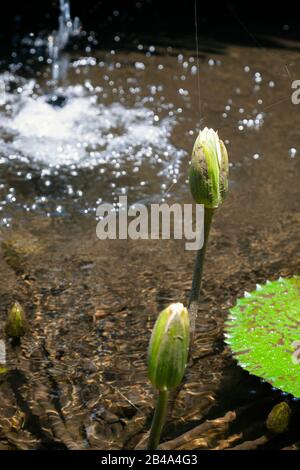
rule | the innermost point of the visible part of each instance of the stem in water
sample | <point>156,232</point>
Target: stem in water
<point>158,419</point>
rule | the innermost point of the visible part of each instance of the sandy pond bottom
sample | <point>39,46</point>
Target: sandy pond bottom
<point>78,379</point>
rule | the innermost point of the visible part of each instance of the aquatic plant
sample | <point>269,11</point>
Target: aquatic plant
<point>169,344</point>
<point>208,179</point>
<point>263,333</point>
<point>167,358</point>
<point>16,324</point>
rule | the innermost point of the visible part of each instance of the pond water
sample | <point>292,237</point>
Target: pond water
<point>123,122</point>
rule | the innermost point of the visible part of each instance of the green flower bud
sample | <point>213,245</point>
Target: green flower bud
<point>209,169</point>
<point>168,348</point>
<point>279,418</point>
<point>16,321</point>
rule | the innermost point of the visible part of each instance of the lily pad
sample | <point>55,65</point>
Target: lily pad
<point>263,331</point>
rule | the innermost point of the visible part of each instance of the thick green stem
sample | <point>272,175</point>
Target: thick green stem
<point>198,270</point>
<point>158,419</point>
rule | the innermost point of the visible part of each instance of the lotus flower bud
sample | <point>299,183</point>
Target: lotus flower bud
<point>16,321</point>
<point>279,418</point>
<point>209,169</point>
<point>168,349</point>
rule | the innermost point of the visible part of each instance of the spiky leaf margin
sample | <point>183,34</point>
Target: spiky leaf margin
<point>263,331</point>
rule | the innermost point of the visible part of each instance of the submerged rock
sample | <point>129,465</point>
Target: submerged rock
<point>18,248</point>
<point>57,101</point>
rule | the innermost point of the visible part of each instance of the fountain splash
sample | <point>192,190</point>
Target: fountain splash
<point>62,141</point>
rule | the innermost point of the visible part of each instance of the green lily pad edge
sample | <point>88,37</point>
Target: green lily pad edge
<point>263,332</point>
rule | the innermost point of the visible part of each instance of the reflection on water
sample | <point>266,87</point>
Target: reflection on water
<point>124,123</point>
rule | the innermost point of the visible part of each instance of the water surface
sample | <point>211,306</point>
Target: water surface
<point>124,124</point>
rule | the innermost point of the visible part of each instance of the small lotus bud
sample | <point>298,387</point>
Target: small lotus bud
<point>16,321</point>
<point>279,417</point>
<point>168,349</point>
<point>209,169</point>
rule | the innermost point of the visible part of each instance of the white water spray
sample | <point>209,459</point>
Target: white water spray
<point>58,40</point>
